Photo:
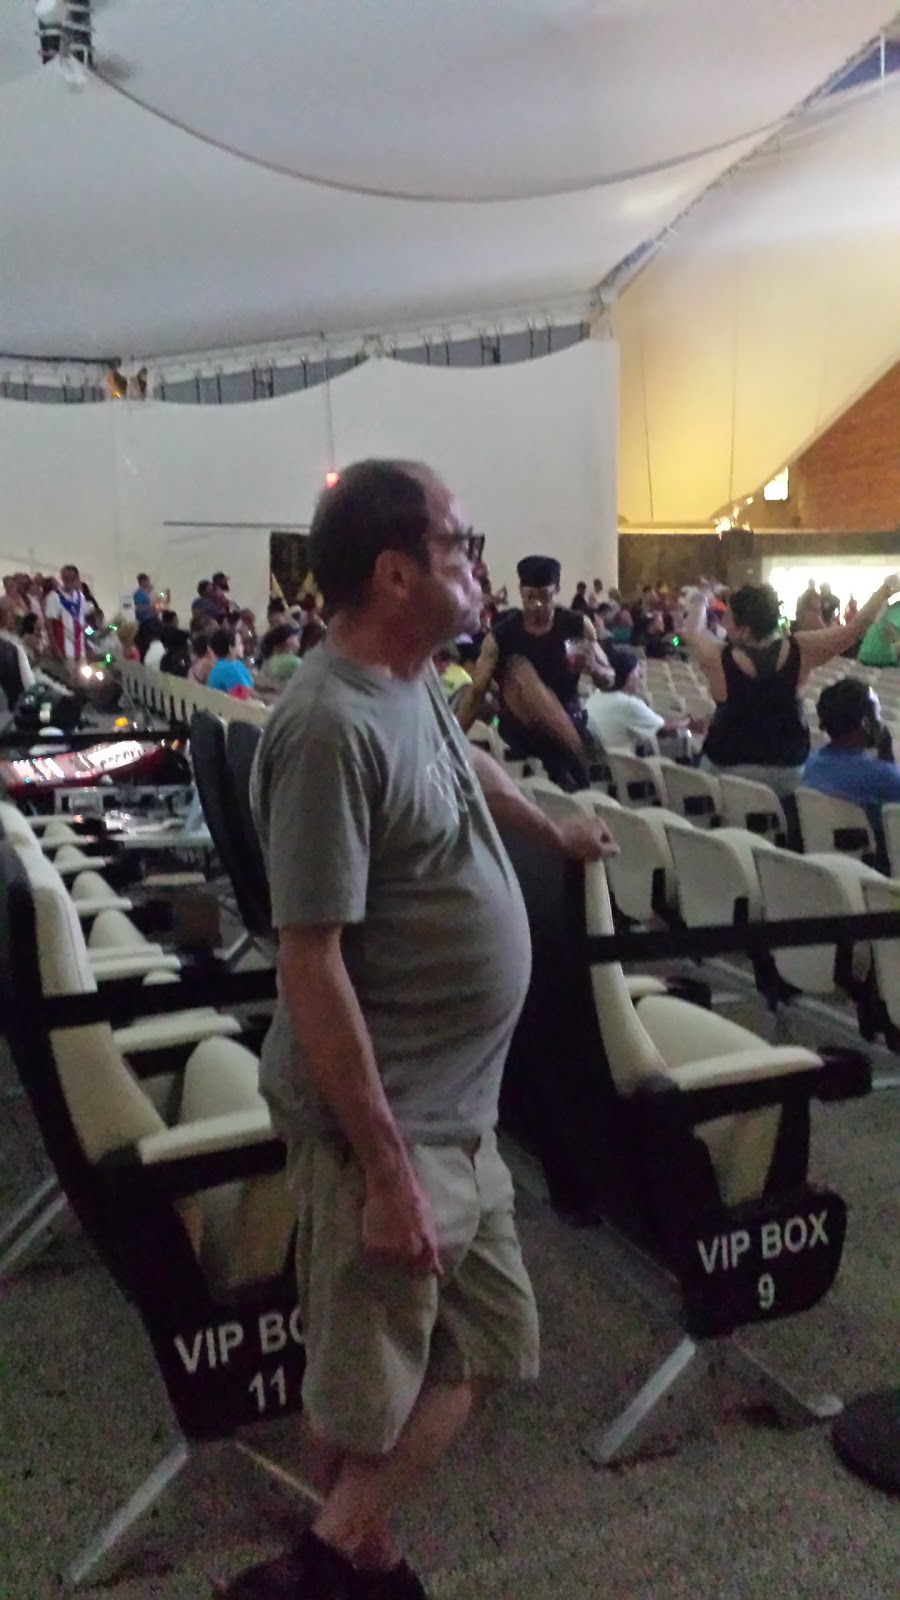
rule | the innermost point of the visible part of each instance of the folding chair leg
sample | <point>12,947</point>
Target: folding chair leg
<point>90,1564</point>
<point>237,951</point>
<point>29,1224</point>
<point>792,1409</point>
<point>680,1370</point>
<point>689,1364</point>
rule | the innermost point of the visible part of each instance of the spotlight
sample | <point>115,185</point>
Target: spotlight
<point>331,478</point>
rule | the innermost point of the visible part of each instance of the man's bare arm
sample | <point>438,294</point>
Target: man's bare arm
<point>337,1051</point>
<point>596,661</point>
<point>472,698</point>
<point>583,838</point>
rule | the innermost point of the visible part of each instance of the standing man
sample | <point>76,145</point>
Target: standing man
<point>403,964</point>
<point>537,655</point>
<point>64,613</point>
<point>144,603</point>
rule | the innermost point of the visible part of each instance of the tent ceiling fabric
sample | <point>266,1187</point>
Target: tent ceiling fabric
<point>151,243</point>
<point>252,172</point>
<point>475,100</point>
<point>773,308</point>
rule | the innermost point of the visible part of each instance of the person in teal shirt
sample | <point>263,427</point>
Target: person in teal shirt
<point>882,640</point>
<point>229,671</point>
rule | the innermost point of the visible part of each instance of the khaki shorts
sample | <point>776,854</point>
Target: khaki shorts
<point>373,1332</point>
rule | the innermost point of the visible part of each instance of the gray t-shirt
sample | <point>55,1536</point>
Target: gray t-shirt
<point>370,816</point>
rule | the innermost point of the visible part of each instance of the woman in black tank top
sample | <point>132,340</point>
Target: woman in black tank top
<point>759,729</point>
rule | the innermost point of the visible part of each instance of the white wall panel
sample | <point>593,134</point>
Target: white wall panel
<point>529,449</point>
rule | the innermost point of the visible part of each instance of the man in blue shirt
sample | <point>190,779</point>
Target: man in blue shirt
<point>144,607</point>
<point>845,767</point>
<point>229,672</point>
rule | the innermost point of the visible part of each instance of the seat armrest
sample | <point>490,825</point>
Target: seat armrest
<point>201,1155</point>
<point>132,964</point>
<point>745,1066</point>
<point>171,1032</point>
<point>94,864</point>
<point>724,1086</point>
<point>231,1131</point>
<point>92,908</point>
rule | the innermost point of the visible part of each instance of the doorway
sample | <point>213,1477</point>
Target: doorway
<point>289,562</point>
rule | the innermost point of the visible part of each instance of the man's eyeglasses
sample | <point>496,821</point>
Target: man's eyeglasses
<point>471,544</point>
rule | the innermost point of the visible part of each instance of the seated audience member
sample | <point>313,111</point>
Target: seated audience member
<point>278,656</point>
<point>202,658</point>
<point>149,642</point>
<point>756,678</point>
<point>127,637</point>
<point>312,624</point>
<point>15,668</point>
<point>30,636</point>
<point>245,625</point>
<point>451,671</point>
<point>177,658</point>
<point>229,671</point>
<point>653,633</point>
<point>537,654</point>
<point>161,635</point>
<point>220,592</point>
<point>580,600</point>
<point>205,606</point>
<point>857,763</point>
<point>276,611</point>
<point>144,604</point>
<point>595,598</point>
<point>619,718</point>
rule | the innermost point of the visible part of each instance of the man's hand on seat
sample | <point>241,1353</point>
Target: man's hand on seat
<point>586,839</point>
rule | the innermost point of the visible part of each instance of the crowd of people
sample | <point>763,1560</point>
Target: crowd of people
<point>563,683</point>
<point>56,623</point>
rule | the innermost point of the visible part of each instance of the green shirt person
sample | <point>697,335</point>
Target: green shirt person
<point>880,644</point>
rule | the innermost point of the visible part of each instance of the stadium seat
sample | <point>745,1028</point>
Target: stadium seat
<point>890,823</point>
<point>717,883</point>
<point>822,885</point>
<point>225,818</point>
<point>191,1217</point>
<point>689,1134</point>
<point>638,780</point>
<point>828,824</point>
<point>746,804</point>
<point>692,793</point>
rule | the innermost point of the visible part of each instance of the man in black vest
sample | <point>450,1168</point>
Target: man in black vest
<point>537,655</point>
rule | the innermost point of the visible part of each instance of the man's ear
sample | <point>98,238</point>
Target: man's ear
<point>393,574</point>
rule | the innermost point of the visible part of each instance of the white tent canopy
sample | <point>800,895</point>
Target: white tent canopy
<point>772,309</point>
<point>242,172</point>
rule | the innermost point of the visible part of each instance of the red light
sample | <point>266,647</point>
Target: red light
<point>331,479</point>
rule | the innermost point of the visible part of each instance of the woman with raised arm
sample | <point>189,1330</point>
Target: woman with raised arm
<point>757,677</point>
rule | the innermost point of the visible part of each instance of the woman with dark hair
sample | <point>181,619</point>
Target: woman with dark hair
<point>202,658</point>
<point>756,678</point>
<point>278,653</point>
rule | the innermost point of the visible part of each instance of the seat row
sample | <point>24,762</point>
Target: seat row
<point>669,872</point>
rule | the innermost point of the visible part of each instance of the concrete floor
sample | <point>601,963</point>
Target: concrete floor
<point>738,1511</point>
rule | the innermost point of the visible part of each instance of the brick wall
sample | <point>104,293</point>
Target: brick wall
<point>850,478</point>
